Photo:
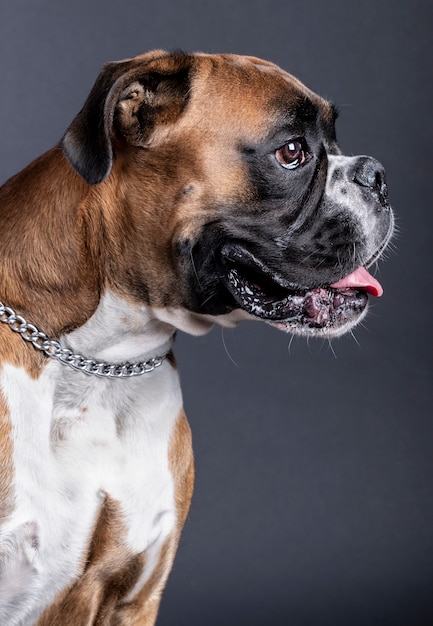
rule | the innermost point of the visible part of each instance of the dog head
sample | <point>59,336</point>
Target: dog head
<point>224,191</point>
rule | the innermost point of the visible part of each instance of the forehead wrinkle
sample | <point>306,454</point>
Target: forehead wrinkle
<point>293,117</point>
<point>262,99</point>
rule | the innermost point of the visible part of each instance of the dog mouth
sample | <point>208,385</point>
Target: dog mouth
<point>267,295</point>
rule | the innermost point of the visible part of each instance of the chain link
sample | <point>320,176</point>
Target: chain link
<point>54,349</point>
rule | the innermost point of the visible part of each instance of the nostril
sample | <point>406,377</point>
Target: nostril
<point>378,180</point>
<point>370,173</point>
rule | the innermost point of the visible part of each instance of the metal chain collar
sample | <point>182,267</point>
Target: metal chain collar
<point>55,350</point>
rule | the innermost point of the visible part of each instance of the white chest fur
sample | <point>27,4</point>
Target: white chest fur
<point>75,439</point>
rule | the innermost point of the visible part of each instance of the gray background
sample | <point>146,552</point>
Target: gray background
<point>313,501</point>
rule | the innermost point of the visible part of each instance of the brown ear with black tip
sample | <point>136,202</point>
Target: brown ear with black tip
<point>128,100</point>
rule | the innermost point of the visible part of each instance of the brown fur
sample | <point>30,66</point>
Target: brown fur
<point>182,467</point>
<point>49,262</point>
<point>6,463</point>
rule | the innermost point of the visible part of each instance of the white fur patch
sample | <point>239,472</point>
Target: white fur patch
<point>77,437</point>
<point>197,324</point>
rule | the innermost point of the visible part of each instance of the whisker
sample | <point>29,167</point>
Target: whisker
<point>364,326</point>
<point>332,348</point>
<point>227,350</point>
<point>195,270</point>
<point>289,345</point>
<point>354,338</point>
<point>208,298</point>
<point>319,263</point>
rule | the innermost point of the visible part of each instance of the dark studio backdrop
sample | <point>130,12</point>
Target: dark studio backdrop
<point>313,500</point>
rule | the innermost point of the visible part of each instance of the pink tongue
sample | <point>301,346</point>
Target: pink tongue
<point>360,279</point>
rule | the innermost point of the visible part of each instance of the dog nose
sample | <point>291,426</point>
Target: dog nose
<point>370,173</point>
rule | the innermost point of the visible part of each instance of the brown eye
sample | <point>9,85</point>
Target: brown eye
<point>291,155</point>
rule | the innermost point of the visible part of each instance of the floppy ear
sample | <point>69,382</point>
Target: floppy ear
<point>128,100</point>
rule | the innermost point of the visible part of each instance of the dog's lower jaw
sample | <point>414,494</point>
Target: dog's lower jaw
<point>199,324</point>
<point>325,332</point>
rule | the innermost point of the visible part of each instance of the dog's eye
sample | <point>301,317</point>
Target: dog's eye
<point>291,155</point>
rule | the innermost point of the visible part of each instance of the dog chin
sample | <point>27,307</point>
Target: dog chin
<point>329,331</point>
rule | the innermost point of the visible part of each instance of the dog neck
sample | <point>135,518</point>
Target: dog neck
<point>121,331</point>
<point>54,349</point>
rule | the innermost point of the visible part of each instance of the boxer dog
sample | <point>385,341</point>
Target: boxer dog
<point>189,190</point>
